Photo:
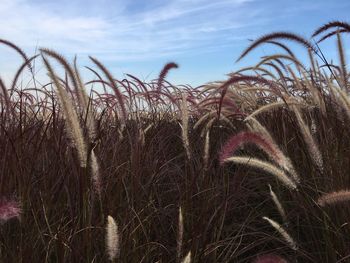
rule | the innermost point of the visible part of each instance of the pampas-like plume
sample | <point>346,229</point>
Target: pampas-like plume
<point>309,140</point>
<point>273,36</point>
<point>91,128</point>
<point>187,259</point>
<point>95,171</point>
<point>290,241</point>
<point>66,65</point>
<point>265,166</point>
<point>184,125</point>
<point>86,105</point>
<point>111,80</point>
<point>248,137</point>
<point>332,24</point>
<point>112,239</point>
<point>342,62</point>
<point>264,143</point>
<point>269,258</point>
<point>206,150</point>
<point>334,198</point>
<point>164,72</point>
<point>71,117</point>
<point>331,34</point>
<point>180,234</point>
<point>83,97</point>
<point>9,209</point>
<point>278,205</point>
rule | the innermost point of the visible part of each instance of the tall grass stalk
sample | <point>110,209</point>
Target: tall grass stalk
<point>180,234</point>
<point>73,126</point>
<point>289,240</point>
<point>278,205</point>
<point>334,198</point>
<point>265,166</point>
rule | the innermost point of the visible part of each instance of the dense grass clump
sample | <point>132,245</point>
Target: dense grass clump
<point>255,168</point>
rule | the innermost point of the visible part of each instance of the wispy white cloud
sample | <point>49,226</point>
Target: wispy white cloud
<point>28,25</point>
<point>121,29</point>
<point>141,35</point>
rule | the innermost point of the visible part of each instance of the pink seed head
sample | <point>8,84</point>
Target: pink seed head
<point>244,137</point>
<point>269,258</point>
<point>9,209</point>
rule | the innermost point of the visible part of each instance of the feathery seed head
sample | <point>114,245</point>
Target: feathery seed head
<point>9,209</point>
<point>112,238</point>
<point>269,258</point>
<point>187,259</point>
<point>334,198</point>
<point>267,167</point>
<point>290,241</point>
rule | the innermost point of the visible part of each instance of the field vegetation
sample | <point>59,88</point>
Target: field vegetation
<point>255,168</point>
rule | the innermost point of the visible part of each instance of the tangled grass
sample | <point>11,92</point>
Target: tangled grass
<point>180,174</point>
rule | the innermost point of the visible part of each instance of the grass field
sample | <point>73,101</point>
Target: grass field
<point>252,169</point>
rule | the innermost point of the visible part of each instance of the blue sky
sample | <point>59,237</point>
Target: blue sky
<point>204,37</point>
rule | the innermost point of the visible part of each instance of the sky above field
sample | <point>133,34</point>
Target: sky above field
<point>204,37</point>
